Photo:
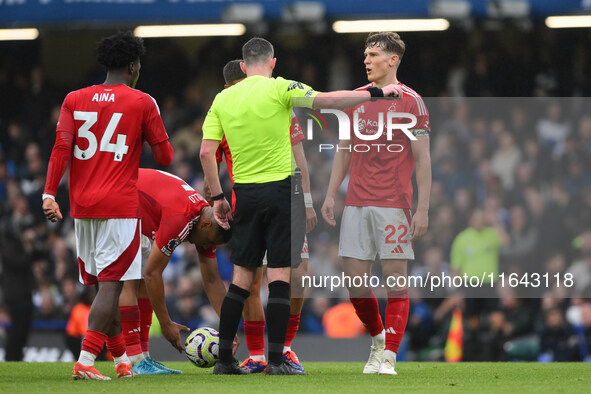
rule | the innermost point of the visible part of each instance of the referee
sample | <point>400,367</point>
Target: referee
<point>255,116</point>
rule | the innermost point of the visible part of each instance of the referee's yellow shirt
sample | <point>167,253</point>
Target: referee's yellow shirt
<point>255,116</point>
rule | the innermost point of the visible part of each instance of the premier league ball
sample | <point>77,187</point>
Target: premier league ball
<point>202,347</point>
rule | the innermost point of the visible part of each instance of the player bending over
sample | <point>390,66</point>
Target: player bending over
<point>377,217</point>
<point>172,213</point>
<point>101,129</point>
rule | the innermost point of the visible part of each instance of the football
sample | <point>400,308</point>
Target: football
<point>202,347</point>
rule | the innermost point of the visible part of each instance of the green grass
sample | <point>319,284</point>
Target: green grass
<point>322,377</point>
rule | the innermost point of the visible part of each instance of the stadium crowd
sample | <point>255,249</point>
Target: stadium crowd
<point>526,173</point>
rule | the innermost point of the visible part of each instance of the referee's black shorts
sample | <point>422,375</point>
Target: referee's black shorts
<point>263,222</point>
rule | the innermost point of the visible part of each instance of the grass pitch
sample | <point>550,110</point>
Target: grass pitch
<point>321,377</point>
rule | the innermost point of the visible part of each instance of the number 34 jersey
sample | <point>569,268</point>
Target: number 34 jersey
<point>109,124</point>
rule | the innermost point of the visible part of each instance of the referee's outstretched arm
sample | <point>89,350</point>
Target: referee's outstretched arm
<point>349,98</point>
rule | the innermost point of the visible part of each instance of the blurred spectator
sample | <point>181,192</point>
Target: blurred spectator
<point>475,252</point>
<point>558,341</point>
<point>585,329</point>
<point>584,134</point>
<point>341,321</point>
<point>505,160</point>
<point>553,129</point>
<point>518,253</point>
<point>17,275</point>
<point>443,228</point>
<point>449,175</point>
<point>78,321</point>
<point>188,139</point>
<point>581,269</point>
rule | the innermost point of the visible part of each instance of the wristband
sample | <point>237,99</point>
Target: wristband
<point>44,196</point>
<point>218,197</point>
<point>308,200</point>
<point>375,92</point>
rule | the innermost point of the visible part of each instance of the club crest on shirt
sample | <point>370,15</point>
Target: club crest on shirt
<point>362,124</point>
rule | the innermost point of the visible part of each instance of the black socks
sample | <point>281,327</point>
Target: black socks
<point>278,308</point>
<point>230,316</point>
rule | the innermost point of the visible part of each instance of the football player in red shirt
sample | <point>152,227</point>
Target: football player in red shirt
<point>254,314</point>
<point>377,217</point>
<point>100,130</point>
<point>172,212</point>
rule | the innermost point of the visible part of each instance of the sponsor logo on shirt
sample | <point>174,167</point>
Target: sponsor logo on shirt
<point>172,244</point>
<point>295,85</point>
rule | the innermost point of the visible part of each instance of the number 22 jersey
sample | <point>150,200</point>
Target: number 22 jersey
<point>109,124</point>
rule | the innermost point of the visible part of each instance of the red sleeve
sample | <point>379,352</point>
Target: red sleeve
<point>153,128</point>
<point>223,150</point>
<point>62,149</point>
<point>296,132</point>
<point>207,252</point>
<point>163,153</point>
<point>66,119</point>
<point>419,109</point>
<point>219,154</point>
<point>421,112</point>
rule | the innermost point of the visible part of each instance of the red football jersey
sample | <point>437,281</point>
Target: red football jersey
<point>109,124</point>
<point>381,169</point>
<point>169,209</point>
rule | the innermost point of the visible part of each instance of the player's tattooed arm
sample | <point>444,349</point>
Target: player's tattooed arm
<point>157,261</point>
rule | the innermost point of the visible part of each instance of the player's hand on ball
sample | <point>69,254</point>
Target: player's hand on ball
<point>223,213</point>
<point>172,333</point>
<point>328,211</point>
<point>392,90</point>
<point>51,209</point>
<point>419,224</point>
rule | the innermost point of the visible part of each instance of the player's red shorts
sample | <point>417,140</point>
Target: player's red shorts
<point>108,249</point>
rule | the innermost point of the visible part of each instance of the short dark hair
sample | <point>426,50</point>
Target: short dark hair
<point>388,41</point>
<point>256,50</point>
<point>233,72</point>
<point>120,49</point>
<point>223,235</point>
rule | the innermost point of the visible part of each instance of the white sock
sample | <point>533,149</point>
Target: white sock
<point>258,358</point>
<point>146,354</point>
<point>389,354</point>
<point>286,349</point>
<point>86,358</point>
<point>136,359</point>
<point>379,340</point>
<point>121,360</point>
